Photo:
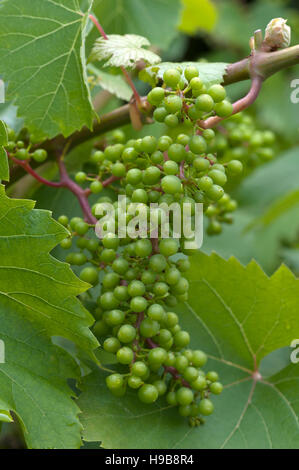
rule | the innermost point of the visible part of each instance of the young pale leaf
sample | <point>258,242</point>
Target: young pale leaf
<point>42,60</point>
<point>210,73</point>
<point>154,19</point>
<point>115,84</point>
<point>198,15</point>
<point>124,51</point>
<point>237,315</point>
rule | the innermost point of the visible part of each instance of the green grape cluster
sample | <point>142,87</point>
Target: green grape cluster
<point>143,280</point>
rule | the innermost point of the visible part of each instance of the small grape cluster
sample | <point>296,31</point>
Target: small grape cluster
<point>21,148</point>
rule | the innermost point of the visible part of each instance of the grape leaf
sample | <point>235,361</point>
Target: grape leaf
<point>44,290</point>
<point>210,73</point>
<point>4,169</point>
<point>198,15</point>
<point>123,51</point>
<point>38,301</point>
<point>42,59</point>
<point>238,315</point>
<point>115,84</point>
<point>154,19</point>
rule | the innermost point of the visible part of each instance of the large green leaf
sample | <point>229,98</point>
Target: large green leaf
<point>38,301</point>
<point>42,59</point>
<point>154,19</point>
<point>237,315</point>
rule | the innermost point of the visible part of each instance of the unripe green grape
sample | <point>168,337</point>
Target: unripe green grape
<point>157,263</point>
<point>208,134</point>
<point>168,247</point>
<point>151,175</point>
<point>156,312</point>
<point>148,393</point>
<point>131,274</point>
<point>265,153</point>
<point>190,72</point>
<point>134,382</point>
<point>40,155</point>
<point>136,288</point>
<point>183,264</point>
<point>140,195</point>
<point>181,363</point>
<point>171,301</point>
<point>184,410</point>
<point>149,328</point>
<point>149,144</point>
<point>198,144</point>
<point>199,383</point>
<point>171,184</point>
<point>100,329</point>
<point>160,114</point>
<point>155,96</point>
<point>113,152</point>
<point>114,381</point>
<point>160,386</point>
<point>111,345</point>
<point>120,265</point>
<point>215,192</point>
<point>63,220</point>
<point>66,243</point>
<point>171,319</point>
<point>153,196</point>
<point>184,396</point>
<point>205,103</point>
<point>157,157</point>
<point>170,360</point>
<point>138,304</point>
<point>81,228</point>
<point>148,277</point>
<point>190,374</point>
<point>235,167</point>
<point>201,164</point>
<point>118,169</point>
<point>170,167</point>
<point>172,276</point>
<point>97,157</point>
<point>199,358</point>
<point>129,154</point>
<point>171,398</point>
<point>79,259</point>
<point>114,317</point>
<point>173,104</point>
<point>171,120</point>
<point>216,388</point>
<point>108,301</point>
<point>205,407</point>
<point>181,287</point>
<point>22,154</point>
<point>143,248</point>
<point>110,280</point>
<point>90,275</point>
<point>110,241</point>
<point>194,113</point>
<point>80,177</point>
<point>160,289</point>
<point>125,355</point>
<point>224,108</point>
<point>196,83</point>
<point>212,376</point>
<point>118,136</point>
<point>157,356</point>
<point>177,152</point>
<point>218,177</point>
<point>164,336</point>
<point>217,92</point>
<point>126,333</point>
<point>214,227</point>
<point>121,293</point>
<point>171,77</point>
<point>139,369</point>
<point>205,183</point>
<point>181,339</point>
